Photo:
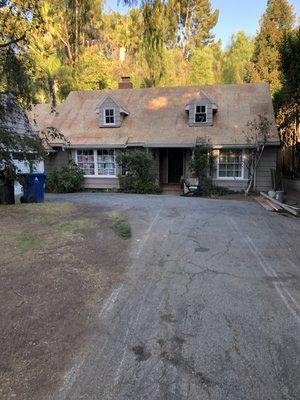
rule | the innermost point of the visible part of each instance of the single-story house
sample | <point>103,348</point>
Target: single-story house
<point>169,122</point>
<point>15,119</point>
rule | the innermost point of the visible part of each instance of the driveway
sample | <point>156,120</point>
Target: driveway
<point>209,308</point>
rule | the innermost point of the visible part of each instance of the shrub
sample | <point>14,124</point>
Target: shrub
<point>65,179</point>
<point>209,189</point>
<point>202,162</point>
<point>138,178</point>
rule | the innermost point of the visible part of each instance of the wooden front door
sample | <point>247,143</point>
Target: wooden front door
<point>175,165</point>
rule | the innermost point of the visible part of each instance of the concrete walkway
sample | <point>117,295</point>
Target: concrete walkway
<point>210,308</point>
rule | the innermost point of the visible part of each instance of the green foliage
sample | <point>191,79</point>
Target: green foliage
<point>138,178</point>
<point>287,101</point>
<point>237,58</point>
<point>208,189</point>
<point>277,20</point>
<point>65,179</point>
<point>195,19</point>
<point>201,67</point>
<point>202,162</point>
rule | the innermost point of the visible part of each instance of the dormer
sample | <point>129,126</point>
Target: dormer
<point>111,113</point>
<point>201,111</point>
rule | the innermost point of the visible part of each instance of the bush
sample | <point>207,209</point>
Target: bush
<point>65,179</point>
<point>209,189</point>
<point>129,185</point>
<point>138,178</point>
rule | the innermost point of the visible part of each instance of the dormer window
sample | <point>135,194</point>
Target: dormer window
<point>109,116</point>
<point>200,115</point>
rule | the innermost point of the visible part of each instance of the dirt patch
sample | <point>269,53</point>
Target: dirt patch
<point>59,261</point>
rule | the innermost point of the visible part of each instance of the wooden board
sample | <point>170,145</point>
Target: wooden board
<point>267,205</point>
<point>293,210</point>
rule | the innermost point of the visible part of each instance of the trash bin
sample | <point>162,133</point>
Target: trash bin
<point>33,188</point>
<point>7,190</point>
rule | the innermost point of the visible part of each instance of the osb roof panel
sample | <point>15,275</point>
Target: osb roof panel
<point>158,117</point>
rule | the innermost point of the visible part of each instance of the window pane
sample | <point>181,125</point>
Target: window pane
<point>85,161</point>
<point>106,162</point>
<point>230,163</point>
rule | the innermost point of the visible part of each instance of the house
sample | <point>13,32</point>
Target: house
<point>169,122</point>
<point>14,119</point>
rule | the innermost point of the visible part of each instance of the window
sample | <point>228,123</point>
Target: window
<point>106,162</point>
<point>109,116</point>
<point>200,114</point>
<point>85,161</point>
<point>230,164</point>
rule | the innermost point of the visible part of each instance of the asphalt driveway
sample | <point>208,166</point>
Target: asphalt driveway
<point>209,309</point>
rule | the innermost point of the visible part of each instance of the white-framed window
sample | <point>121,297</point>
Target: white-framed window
<point>86,161</point>
<point>109,116</point>
<point>230,164</point>
<point>200,114</point>
<point>106,162</point>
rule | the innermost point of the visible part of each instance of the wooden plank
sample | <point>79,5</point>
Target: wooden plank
<point>293,210</point>
<point>267,205</point>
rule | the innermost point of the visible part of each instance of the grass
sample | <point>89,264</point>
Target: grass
<point>120,226</point>
<point>27,242</point>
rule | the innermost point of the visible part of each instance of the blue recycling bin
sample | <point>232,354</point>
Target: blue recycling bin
<point>33,188</point>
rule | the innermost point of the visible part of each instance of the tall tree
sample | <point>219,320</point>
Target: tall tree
<point>201,67</point>
<point>155,36</point>
<point>287,101</point>
<point>277,20</point>
<point>237,58</point>
<point>196,19</point>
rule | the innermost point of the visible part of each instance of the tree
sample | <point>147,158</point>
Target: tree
<point>202,161</point>
<point>287,101</point>
<point>77,24</point>
<point>237,58</point>
<point>257,136</point>
<point>201,67</point>
<point>154,37</point>
<point>196,19</point>
<point>277,20</point>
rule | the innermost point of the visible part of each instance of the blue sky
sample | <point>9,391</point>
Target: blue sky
<point>235,15</point>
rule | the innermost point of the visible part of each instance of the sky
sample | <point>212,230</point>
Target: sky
<point>235,15</point>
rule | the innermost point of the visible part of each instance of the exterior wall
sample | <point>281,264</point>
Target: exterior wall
<point>101,183</point>
<point>263,181</point>
<point>110,103</point>
<point>209,113</point>
<point>56,160</point>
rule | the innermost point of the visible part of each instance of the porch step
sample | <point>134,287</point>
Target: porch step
<point>171,189</point>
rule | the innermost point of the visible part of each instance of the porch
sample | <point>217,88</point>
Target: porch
<point>170,164</point>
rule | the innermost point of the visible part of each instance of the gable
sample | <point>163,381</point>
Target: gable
<point>109,103</point>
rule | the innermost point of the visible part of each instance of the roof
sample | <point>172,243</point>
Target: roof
<point>158,117</point>
<point>13,117</point>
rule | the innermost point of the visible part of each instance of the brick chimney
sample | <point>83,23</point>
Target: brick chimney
<point>125,83</point>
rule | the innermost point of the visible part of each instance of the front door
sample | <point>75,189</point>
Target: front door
<point>175,165</point>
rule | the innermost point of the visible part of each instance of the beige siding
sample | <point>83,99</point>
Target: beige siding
<point>268,161</point>
<point>236,185</point>
<point>101,183</point>
<point>56,160</point>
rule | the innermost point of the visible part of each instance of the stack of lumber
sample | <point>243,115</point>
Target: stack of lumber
<point>268,202</point>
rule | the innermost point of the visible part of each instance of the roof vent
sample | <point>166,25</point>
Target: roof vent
<point>125,83</point>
